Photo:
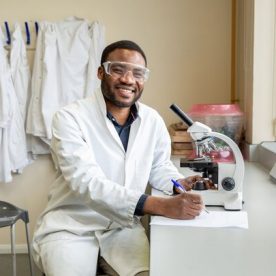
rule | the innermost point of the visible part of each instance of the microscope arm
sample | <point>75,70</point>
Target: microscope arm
<point>239,168</point>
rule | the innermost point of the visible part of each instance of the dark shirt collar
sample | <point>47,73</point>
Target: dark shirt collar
<point>131,117</point>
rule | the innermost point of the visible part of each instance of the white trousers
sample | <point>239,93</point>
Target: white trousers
<point>126,250</point>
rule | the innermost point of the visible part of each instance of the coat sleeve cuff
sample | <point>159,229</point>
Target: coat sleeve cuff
<point>139,210</point>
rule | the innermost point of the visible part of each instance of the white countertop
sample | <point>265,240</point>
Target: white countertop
<point>195,251</point>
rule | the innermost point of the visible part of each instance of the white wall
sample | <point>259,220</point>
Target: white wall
<point>188,46</point>
<point>264,71</point>
<point>256,68</point>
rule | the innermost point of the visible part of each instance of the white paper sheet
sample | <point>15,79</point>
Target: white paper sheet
<point>213,219</point>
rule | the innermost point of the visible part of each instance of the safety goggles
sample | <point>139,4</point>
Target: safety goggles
<point>118,69</point>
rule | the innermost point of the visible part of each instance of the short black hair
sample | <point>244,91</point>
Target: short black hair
<point>122,44</point>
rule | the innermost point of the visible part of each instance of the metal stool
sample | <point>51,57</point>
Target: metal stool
<point>9,214</point>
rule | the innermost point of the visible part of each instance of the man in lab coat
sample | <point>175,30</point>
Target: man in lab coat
<point>106,149</point>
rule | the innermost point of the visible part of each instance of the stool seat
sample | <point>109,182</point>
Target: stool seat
<point>9,215</point>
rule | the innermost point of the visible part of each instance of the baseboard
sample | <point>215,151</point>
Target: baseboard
<point>250,152</point>
<point>273,173</point>
<point>267,154</point>
<point>19,248</point>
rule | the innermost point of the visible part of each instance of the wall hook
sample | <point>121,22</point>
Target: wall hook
<point>36,28</point>
<point>27,33</point>
<point>8,33</point>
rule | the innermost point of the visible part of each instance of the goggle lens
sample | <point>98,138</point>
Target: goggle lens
<point>119,69</point>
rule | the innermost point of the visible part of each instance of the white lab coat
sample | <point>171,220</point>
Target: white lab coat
<point>13,155</point>
<point>97,34</point>
<point>5,111</point>
<point>34,120</point>
<point>20,70</point>
<point>66,52</point>
<point>21,74</point>
<point>5,114</point>
<point>99,184</point>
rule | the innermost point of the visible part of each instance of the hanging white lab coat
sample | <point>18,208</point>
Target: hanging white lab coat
<point>34,120</point>
<point>13,155</point>
<point>97,34</point>
<point>34,123</point>
<point>98,183</point>
<point>5,114</point>
<point>21,74</point>
<point>20,69</point>
<point>65,51</point>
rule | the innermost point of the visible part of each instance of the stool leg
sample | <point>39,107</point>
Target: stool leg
<point>13,249</point>
<point>29,249</point>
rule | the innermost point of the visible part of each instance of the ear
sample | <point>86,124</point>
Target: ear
<point>100,73</point>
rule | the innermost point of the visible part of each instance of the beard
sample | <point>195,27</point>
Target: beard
<point>111,97</point>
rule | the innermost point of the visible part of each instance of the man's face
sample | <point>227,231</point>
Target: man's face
<point>125,90</point>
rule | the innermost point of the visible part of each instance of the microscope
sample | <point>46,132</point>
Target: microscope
<point>223,181</point>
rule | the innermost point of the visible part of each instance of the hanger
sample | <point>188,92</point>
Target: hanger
<point>36,27</point>
<point>28,36</point>
<point>8,33</point>
<point>27,33</point>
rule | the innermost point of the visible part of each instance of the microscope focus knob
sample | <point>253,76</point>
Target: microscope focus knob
<point>228,183</point>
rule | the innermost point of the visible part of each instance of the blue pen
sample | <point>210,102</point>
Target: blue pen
<point>178,186</point>
<point>182,189</point>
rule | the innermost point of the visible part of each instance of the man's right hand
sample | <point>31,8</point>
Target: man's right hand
<point>181,206</point>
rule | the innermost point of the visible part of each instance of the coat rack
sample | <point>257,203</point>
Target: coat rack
<point>28,40</point>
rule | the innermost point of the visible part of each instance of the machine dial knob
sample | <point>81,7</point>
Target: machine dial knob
<point>228,183</point>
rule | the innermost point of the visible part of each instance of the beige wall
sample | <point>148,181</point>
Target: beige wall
<point>245,37</point>
<point>187,43</point>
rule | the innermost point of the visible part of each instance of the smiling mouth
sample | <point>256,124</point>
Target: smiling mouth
<point>125,92</point>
